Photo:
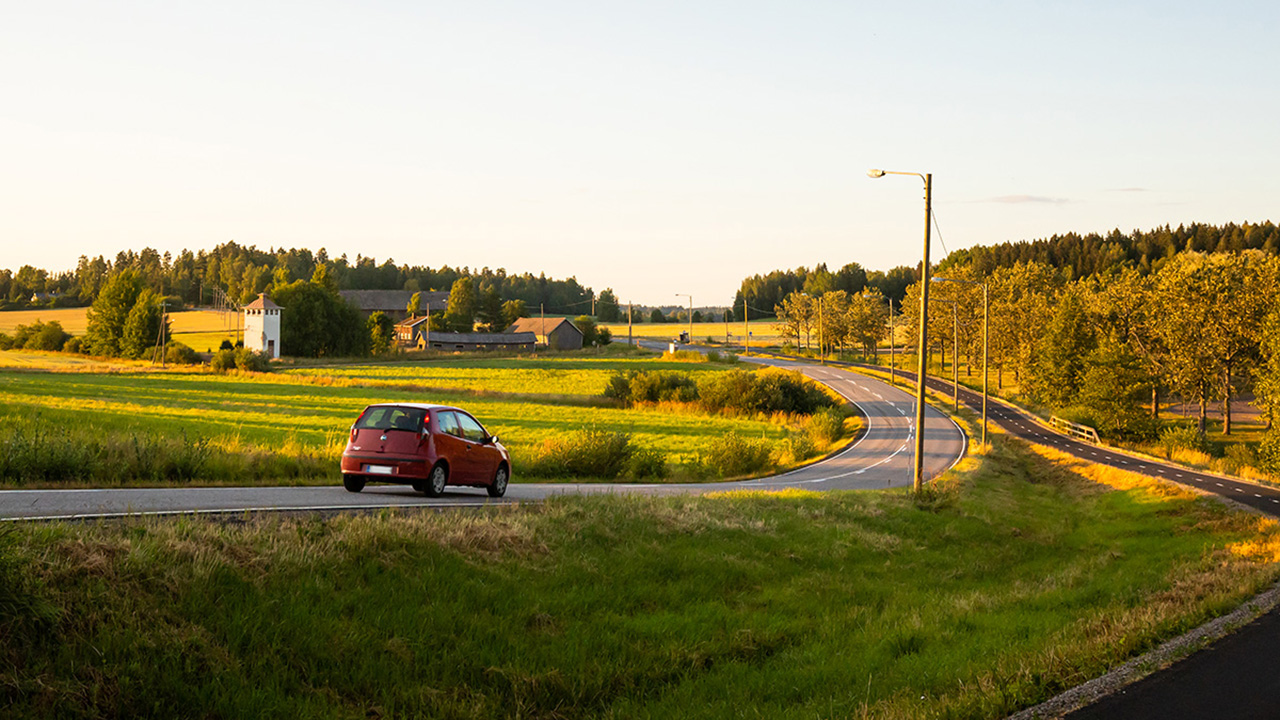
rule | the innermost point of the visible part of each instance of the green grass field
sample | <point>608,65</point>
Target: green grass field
<point>1025,578</point>
<point>762,331</point>
<point>524,401</point>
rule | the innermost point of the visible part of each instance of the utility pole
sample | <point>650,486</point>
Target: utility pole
<point>546,341</point>
<point>629,340</point>
<point>922,371</point>
<point>746,328</point>
<point>822,347</point>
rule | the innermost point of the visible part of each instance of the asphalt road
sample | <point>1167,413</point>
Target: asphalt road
<point>880,458</point>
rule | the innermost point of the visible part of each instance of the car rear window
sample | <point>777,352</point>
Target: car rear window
<point>392,418</point>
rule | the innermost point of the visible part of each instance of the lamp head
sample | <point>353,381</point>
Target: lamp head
<point>875,173</point>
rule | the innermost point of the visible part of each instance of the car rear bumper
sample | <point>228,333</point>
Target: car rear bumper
<point>386,468</point>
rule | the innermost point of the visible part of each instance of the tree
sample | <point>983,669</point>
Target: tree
<point>317,322</point>
<point>142,327</point>
<point>1058,370</point>
<point>728,315</point>
<point>867,314</point>
<point>382,333</point>
<point>492,318</point>
<point>462,305</point>
<point>1112,387</point>
<point>587,325</point>
<point>697,316</point>
<point>607,306</point>
<point>656,316</point>
<point>513,310</point>
<point>415,305</point>
<point>106,319</point>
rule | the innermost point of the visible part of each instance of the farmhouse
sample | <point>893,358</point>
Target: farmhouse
<point>408,330</point>
<point>394,303</point>
<point>556,333</point>
<point>477,341</point>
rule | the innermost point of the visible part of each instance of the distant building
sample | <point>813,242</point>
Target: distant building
<point>477,341</point>
<point>262,326</point>
<point>409,330</point>
<point>393,303</point>
<point>556,333</point>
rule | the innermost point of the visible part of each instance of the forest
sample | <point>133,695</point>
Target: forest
<point>241,272</point>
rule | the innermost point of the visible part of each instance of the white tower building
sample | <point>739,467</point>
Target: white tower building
<point>262,326</point>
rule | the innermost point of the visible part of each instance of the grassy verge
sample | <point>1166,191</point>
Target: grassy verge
<point>1014,581</point>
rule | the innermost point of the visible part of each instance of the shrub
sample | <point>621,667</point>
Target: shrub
<point>684,356</point>
<point>1182,438</point>
<point>825,426</point>
<point>731,455</point>
<point>648,463</point>
<point>73,345</point>
<point>251,360</point>
<point>223,360</point>
<point>226,345</point>
<point>769,390</point>
<point>180,354</point>
<point>651,386</point>
<point>797,447</point>
<point>1237,457</point>
<point>583,453</point>
<point>6,342</point>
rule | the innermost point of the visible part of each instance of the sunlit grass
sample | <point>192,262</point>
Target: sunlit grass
<point>1024,577</point>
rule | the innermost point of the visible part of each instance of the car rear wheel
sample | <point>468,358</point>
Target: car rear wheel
<point>436,482</point>
<point>352,483</point>
<point>499,486</point>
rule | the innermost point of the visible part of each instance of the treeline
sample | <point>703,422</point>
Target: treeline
<point>1146,251</point>
<point>242,272</point>
<point>764,293</point>
<point>1204,327</point>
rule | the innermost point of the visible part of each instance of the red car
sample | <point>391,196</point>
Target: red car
<point>426,446</point>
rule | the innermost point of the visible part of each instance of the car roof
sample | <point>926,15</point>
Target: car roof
<point>419,406</point>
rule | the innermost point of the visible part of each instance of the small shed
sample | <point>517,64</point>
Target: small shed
<point>262,326</point>
<point>557,333</point>
<point>409,330</point>
<point>478,341</point>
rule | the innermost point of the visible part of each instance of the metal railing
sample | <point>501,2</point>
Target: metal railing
<point>1083,432</point>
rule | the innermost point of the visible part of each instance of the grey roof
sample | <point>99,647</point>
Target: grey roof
<point>519,338</point>
<point>393,300</point>
<point>540,326</point>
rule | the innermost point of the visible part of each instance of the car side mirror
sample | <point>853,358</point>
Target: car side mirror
<point>491,440</point>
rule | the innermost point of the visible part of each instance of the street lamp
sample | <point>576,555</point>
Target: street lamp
<point>918,478</point>
<point>985,326</point>
<point>690,314</point>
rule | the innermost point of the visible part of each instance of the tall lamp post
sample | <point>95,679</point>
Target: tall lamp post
<point>917,482</point>
<point>690,314</point>
<point>985,327</point>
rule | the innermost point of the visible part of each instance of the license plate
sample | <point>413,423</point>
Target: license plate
<point>378,469</point>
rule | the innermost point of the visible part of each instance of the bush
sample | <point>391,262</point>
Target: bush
<point>6,342</point>
<point>684,356</point>
<point>825,426</point>
<point>731,455</point>
<point>648,463</point>
<point>797,447</point>
<point>768,391</point>
<point>223,360</point>
<point>1237,457</point>
<point>583,453</point>
<point>1182,438</point>
<point>226,345</point>
<point>180,354</point>
<point>251,360</point>
<point>651,386</point>
<point>73,345</point>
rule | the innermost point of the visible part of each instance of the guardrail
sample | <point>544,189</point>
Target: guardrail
<point>1075,429</point>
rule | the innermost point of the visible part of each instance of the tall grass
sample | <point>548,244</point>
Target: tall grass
<point>1029,578</point>
<point>33,450</point>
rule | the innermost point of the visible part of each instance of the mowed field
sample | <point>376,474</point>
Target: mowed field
<point>203,330</point>
<point>524,401</point>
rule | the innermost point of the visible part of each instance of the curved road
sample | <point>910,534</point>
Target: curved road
<point>880,458</point>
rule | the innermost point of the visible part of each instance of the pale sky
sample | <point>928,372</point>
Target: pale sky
<point>653,147</point>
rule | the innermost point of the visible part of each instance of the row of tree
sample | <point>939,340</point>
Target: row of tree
<point>1204,327</point>
<point>243,272</point>
<point>834,320</point>
<point>763,293</point>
